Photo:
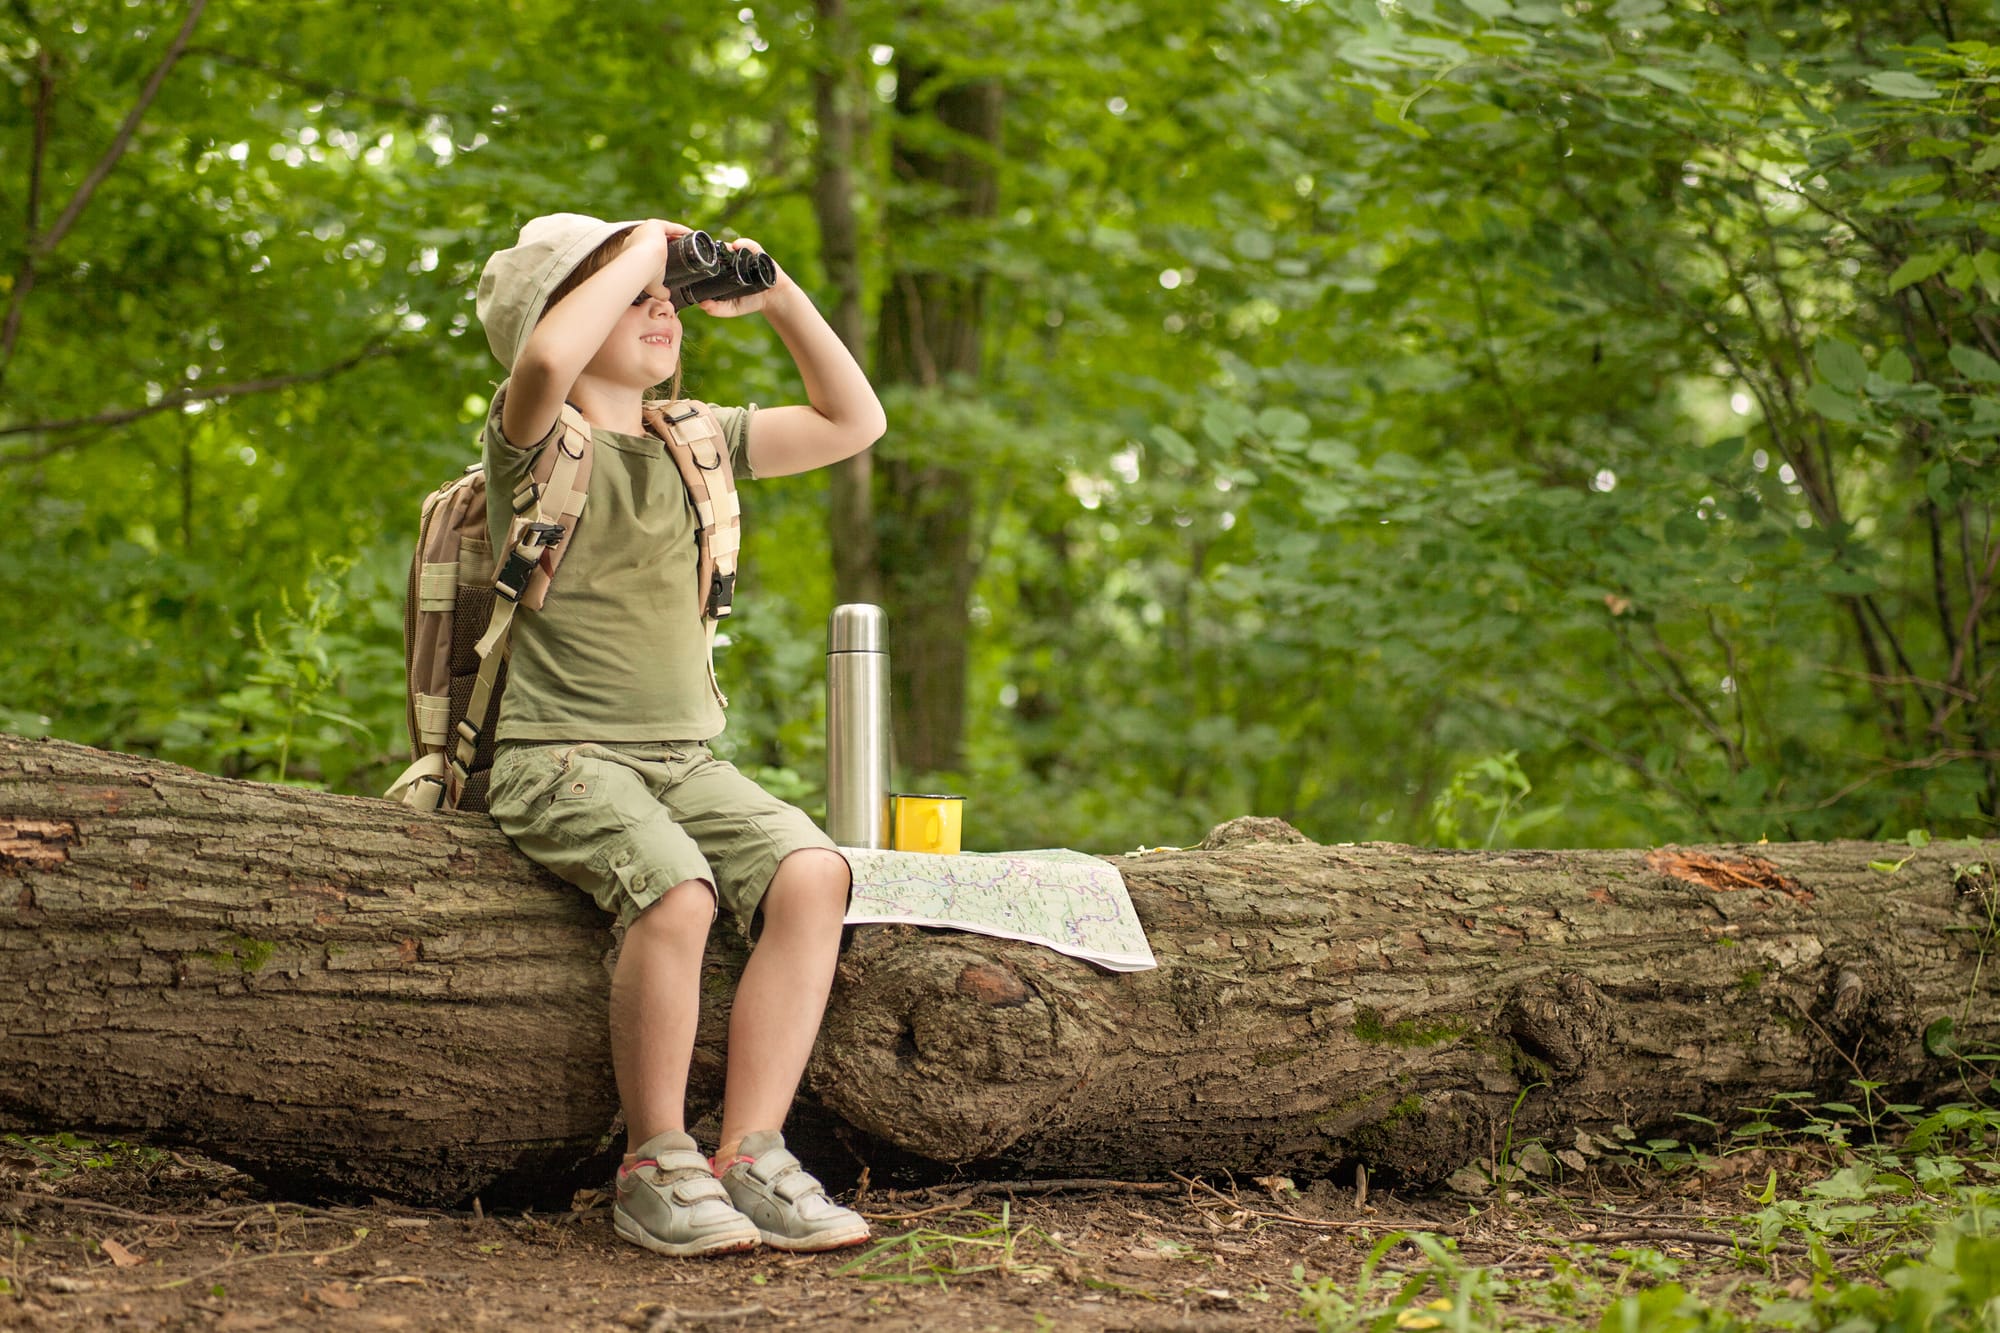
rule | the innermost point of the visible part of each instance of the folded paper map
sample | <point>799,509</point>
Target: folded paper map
<point>1071,902</point>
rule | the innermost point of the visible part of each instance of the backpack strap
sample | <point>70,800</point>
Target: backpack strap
<point>694,440</point>
<point>546,507</point>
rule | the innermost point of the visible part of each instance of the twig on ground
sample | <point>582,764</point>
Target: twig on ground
<point>950,1206</point>
<point>222,1219</point>
<point>246,1260</point>
<point>669,1317</point>
<point>1370,1224</point>
<point>966,1194</point>
<point>1686,1236</point>
<point>1042,1187</point>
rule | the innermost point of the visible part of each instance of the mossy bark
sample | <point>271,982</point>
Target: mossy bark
<point>345,996</point>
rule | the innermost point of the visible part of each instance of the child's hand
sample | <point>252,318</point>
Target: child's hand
<point>747,305</point>
<point>654,233</point>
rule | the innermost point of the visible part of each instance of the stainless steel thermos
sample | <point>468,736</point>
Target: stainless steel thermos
<point>857,726</point>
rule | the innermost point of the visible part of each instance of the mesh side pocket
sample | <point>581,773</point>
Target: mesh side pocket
<point>474,795</point>
<point>468,624</point>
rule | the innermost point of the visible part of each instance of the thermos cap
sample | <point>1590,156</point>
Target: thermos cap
<point>857,627</point>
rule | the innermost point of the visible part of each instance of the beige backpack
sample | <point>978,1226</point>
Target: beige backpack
<point>459,617</point>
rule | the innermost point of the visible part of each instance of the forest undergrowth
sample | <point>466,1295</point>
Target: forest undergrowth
<point>1860,1215</point>
<point>1821,1215</point>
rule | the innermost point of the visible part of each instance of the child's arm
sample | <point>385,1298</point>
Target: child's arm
<point>565,340</point>
<point>842,415</point>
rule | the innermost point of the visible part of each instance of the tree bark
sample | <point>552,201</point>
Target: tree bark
<point>348,997</point>
<point>850,496</point>
<point>930,334</point>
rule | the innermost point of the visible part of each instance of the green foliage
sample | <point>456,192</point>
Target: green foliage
<point>1386,411</point>
<point>289,702</point>
<point>1900,1232</point>
<point>1494,786</point>
<point>66,1154</point>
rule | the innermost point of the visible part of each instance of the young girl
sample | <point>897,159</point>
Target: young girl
<point>603,772</point>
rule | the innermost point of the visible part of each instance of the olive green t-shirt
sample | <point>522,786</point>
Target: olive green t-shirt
<point>618,651</point>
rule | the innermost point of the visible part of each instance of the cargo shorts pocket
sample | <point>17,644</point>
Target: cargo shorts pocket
<point>596,824</point>
<point>534,786</point>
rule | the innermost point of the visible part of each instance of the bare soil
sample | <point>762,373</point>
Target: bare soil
<point>113,1237</point>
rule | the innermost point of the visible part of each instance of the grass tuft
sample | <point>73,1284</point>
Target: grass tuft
<point>924,1255</point>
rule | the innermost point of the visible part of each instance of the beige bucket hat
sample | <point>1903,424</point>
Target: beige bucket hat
<point>517,281</point>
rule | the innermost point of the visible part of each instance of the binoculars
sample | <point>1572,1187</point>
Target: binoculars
<point>700,270</point>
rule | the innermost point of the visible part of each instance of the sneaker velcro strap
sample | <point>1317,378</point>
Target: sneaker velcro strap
<point>773,1163</point>
<point>676,1160</point>
<point>792,1188</point>
<point>692,1190</point>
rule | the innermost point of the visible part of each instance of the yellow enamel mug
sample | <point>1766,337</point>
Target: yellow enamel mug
<point>926,823</point>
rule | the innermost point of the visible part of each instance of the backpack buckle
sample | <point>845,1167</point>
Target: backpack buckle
<point>721,594</point>
<point>512,580</point>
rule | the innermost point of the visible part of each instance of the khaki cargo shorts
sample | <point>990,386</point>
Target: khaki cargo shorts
<point>625,822</point>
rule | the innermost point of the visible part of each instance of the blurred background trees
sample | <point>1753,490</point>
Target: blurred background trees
<point>1476,422</point>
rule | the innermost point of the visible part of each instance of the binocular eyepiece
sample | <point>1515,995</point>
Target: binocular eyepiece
<point>699,270</point>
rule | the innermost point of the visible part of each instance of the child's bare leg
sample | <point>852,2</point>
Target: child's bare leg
<point>782,994</point>
<point>655,999</point>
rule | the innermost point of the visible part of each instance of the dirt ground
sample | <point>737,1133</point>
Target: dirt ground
<point>111,1237</point>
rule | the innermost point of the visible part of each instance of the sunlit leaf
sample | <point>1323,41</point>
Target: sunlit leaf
<point>1901,83</point>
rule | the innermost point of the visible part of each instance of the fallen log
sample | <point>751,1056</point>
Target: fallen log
<point>347,997</point>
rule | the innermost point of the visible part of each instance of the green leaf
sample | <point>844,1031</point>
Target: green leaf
<point>1937,482</point>
<point>1225,422</point>
<point>1282,423</point>
<point>1939,1038</point>
<point>1987,265</point>
<point>1849,583</point>
<point>1975,365</point>
<point>1331,453</point>
<point>1723,452</point>
<point>1989,158</point>
<point>1684,529</point>
<point>1829,402</point>
<point>1662,78</point>
<point>1918,267</point>
<point>1840,364</point>
<point>1917,837</point>
<point>1174,445</point>
<point>1902,83</point>
<point>1895,366</point>
<point>1390,112</point>
<point>1490,9</point>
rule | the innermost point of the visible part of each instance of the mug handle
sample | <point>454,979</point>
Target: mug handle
<point>934,829</point>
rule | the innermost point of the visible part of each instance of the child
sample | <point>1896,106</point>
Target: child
<point>603,772</point>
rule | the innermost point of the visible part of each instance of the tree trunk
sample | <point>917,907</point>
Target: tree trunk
<point>850,499</point>
<point>929,333</point>
<point>346,996</point>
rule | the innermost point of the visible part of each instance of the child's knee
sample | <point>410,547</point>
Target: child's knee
<point>810,882</point>
<point>688,908</point>
<point>819,864</point>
